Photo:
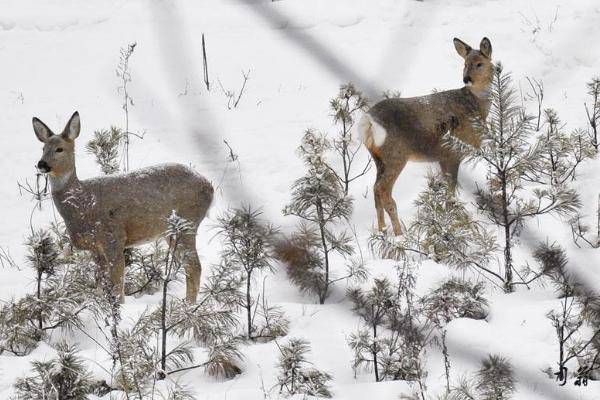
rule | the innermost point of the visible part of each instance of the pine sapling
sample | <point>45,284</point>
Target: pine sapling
<point>319,201</point>
<point>509,155</point>
<point>373,307</point>
<point>560,154</point>
<point>295,377</point>
<point>247,247</point>
<point>495,380</point>
<point>444,231</point>
<point>453,299</point>
<point>43,256</point>
<point>124,74</point>
<point>345,107</point>
<point>105,147</point>
<point>576,303</point>
<point>177,228</point>
<point>62,378</point>
<point>593,112</point>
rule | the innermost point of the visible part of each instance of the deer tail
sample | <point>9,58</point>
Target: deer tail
<point>372,134</point>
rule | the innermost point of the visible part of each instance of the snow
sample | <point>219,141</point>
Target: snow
<point>60,56</point>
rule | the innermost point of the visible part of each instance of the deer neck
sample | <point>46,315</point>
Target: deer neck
<point>482,95</point>
<point>64,182</point>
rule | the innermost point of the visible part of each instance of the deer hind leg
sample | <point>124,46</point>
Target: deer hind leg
<point>377,195</point>
<point>193,268</point>
<point>383,192</point>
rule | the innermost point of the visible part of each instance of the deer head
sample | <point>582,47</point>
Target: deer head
<point>58,157</point>
<point>479,69</point>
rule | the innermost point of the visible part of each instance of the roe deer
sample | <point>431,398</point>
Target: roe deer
<point>107,214</point>
<point>398,130</point>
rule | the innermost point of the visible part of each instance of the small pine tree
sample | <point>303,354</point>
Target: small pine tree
<point>453,299</point>
<point>43,256</point>
<point>494,380</point>
<point>62,294</point>
<point>444,231</point>
<point>392,341</point>
<point>560,154</point>
<point>247,248</point>
<point>319,200</point>
<point>593,113</point>
<point>105,146</point>
<point>295,377</point>
<point>567,321</point>
<point>373,307</point>
<point>344,108</point>
<point>144,273</point>
<point>510,157</point>
<point>62,378</point>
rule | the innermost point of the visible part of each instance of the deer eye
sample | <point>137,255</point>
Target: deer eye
<point>59,150</point>
<point>479,65</point>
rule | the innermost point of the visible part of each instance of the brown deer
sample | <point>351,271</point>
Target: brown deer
<point>398,130</point>
<point>108,214</point>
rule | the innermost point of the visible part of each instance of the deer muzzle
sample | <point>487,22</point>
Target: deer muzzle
<point>43,166</point>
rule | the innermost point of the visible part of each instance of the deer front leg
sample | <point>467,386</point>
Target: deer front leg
<point>450,168</point>
<point>112,265</point>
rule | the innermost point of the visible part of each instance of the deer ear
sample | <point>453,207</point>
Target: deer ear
<point>42,132</point>
<point>485,47</point>
<point>461,48</point>
<point>72,129</point>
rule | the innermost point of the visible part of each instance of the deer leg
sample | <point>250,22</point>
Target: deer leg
<point>193,269</point>
<point>112,264</point>
<point>384,186</point>
<point>377,195</point>
<point>450,170</point>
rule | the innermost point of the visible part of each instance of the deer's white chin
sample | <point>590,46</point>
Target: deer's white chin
<point>469,84</point>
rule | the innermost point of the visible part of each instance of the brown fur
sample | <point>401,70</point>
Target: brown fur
<point>414,127</point>
<point>107,214</point>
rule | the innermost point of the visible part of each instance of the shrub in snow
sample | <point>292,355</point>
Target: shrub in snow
<point>62,378</point>
<point>207,321</point>
<point>578,307</point>
<point>247,247</point>
<point>62,293</point>
<point>295,376</point>
<point>453,299</point>
<point>444,231</point>
<point>144,272</point>
<point>494,380</point>
<point>581,230</point>
<point>593,111</point>
<point>391,341</point>
<point>319,201</point>
<point>344,107</point>
<point>560,154</point>
<point>376,346</point>
<point>512,160</point>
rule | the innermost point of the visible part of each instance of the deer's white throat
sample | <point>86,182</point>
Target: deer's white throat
<point>58,183</point>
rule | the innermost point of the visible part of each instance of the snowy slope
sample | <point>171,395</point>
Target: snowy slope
<point>60,56</point>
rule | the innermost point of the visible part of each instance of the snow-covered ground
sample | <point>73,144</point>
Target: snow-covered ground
<point>60,56</point>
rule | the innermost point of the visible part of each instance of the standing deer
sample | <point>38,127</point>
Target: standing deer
<point>108,214</point>
<point>398,130</point>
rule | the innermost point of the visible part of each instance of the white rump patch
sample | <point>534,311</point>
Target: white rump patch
<point>371,133</point>
<point>379,133</point>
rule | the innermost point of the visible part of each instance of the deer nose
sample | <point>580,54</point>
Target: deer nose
<point>43,166</point>
<point>467,79</point>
